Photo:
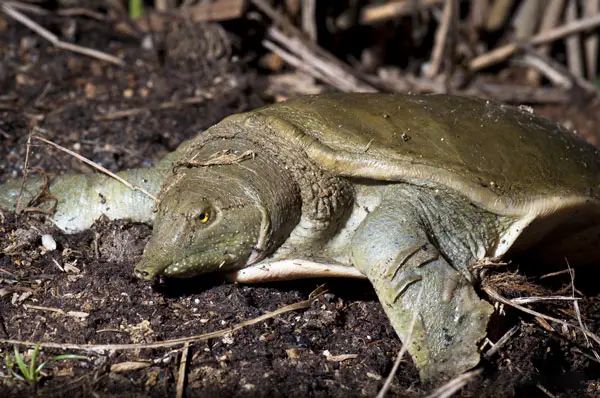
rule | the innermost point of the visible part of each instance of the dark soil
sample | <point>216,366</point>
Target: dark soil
<point>85,292</point>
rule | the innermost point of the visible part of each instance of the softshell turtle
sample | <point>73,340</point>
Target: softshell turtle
<point>405,190</point>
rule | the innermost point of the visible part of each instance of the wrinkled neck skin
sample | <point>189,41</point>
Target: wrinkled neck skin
<point>326,199</point>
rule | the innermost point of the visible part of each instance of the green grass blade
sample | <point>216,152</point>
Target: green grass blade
<point>34,357</point>
<point>39,368</point>
<point>21,364</point>
<point>68,356</point>
<point>136,9</point>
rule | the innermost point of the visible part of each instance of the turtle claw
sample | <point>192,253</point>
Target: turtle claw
<point>410,266</point>
<point>406,278</point>
<point>402,281</point>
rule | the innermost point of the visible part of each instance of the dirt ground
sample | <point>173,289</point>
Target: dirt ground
<point>84,290</point>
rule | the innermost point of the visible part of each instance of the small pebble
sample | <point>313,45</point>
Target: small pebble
<point>48,242</point>
<point>293,353</point>
<point>147,43</point>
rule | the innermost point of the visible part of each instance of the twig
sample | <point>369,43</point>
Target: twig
<point>524,24</point>
<point>294,83</point>
<point>501,53</point>
<point>557,273</point>
<point>129,366</point>
<point>545,390</point>
<point>529,300</point>
<point>585,354</point>
<point>550,19</point>
<point>376,13</point>
<point>525,20</point>
<point>578,312</point>
<point>501,342</point>
<point>39,101</point>
<point>96,166</point>
<point>220,10</point>
<point>476,19</point>
<point>33,9</point>
<point>181,376</point>
<point>540,65</point>
<point>6,272</point>
<point>298,63</point>
<point>441,39</point>
<point>498,297</point>
<point>165,105</point>
<point>25,168</point>
<point>167,343</point>
<point>572,43</point>
<point>224,157</point>
<point>448,389</point>
<point>497,14</point>
<point>341,79</point>
<point>279,19</point>
<point>74,314</point>
<point>390,377</point>
<point>563,71</point>
<point>305,48</point>
<point>309,23</point>
<point>81,12</point>
<point>161,5</point>
<point>52,38</point>
<point>591,8</point>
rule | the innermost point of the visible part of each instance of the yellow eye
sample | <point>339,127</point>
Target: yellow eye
<point>204,217</point>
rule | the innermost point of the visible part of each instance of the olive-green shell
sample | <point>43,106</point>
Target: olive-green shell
<point>503,158</point>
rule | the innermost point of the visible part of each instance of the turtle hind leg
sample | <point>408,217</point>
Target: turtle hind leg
<point>393,251</point>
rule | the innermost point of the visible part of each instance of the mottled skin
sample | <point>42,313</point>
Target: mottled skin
<point>407,191</point>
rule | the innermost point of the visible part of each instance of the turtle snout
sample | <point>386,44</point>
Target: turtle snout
<point>142,274</point>
<point>143,271</point>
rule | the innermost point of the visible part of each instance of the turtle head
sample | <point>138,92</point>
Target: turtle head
<point>208,220</point>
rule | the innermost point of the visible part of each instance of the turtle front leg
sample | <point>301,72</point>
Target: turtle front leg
<point>393,251</point>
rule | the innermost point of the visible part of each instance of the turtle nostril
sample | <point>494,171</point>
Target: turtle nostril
<point>141,274</point>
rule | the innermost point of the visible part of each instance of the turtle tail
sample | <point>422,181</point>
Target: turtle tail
<point>74,202</point>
